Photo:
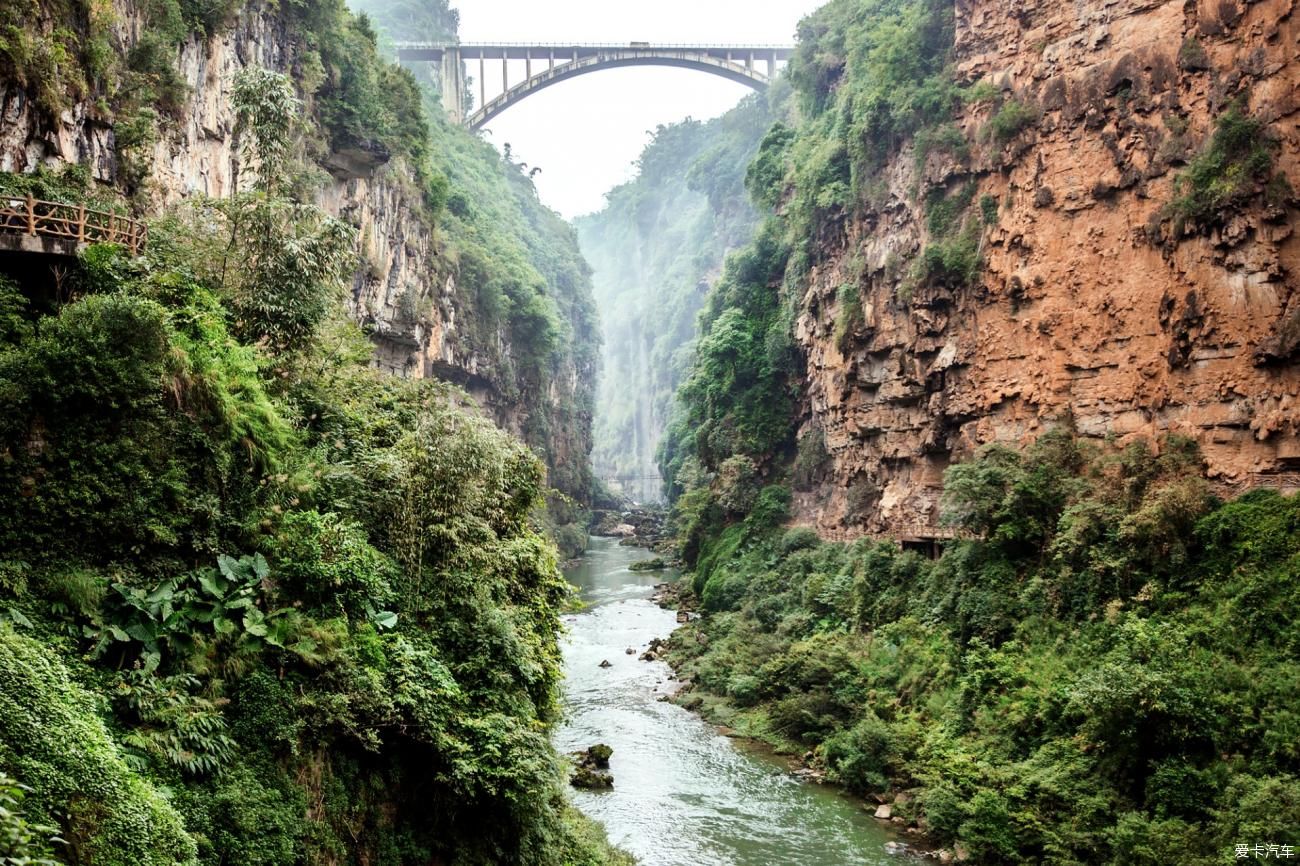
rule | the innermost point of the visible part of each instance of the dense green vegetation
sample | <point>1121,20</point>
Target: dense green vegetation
<point>523,290</point>
<point>653,249</point>
<point>1108,675</point>
<point>867,75</point>
<point>263,605</point>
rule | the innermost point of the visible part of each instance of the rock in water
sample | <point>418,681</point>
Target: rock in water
<point>591,768</point>
<point>585,777</point>
<point>884,812</point>
<point>606,664</point>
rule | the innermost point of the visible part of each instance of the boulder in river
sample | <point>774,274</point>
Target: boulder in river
<point>586,777</point>
<point>884,811</point>
<point>606,664</point>
<point>591,768</point>
<point>598,755</point>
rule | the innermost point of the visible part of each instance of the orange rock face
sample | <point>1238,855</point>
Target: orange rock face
<point>1088,304</point>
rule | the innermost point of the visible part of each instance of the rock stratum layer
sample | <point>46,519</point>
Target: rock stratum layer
<point>1085,309</point>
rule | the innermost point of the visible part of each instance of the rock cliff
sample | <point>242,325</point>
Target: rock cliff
<point>405,290</point>
<point>1089,307</point>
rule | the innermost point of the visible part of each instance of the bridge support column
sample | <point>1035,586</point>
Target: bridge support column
<point>482,82</point>
<point>453,85</point>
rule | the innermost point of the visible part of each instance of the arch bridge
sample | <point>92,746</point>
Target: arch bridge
<point>546,64</point>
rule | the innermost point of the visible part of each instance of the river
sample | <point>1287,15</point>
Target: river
<point>683,794</point>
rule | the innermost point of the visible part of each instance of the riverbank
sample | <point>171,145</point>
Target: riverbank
<point>891,812</point>
<point>751,733</point>
<point>683,793</point>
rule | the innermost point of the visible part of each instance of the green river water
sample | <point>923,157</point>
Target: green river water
<point>684,794</point>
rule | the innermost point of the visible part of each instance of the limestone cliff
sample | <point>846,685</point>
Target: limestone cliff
<point>406,289</point>
<point>1088,305</point>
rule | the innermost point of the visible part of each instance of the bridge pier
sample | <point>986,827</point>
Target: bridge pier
<point>453,85</point>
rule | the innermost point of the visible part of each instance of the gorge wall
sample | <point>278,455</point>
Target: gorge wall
<point>425,317</point>
<point>1091,305</point>
<point>654,249</point>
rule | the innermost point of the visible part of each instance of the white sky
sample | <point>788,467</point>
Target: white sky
<point>586,132</point>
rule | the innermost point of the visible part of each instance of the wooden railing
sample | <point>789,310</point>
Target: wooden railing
<point>902,532</point>
<point>1283,482</point>
<point>70,222</point>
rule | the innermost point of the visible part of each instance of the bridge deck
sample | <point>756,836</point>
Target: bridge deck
<point>417,51</point>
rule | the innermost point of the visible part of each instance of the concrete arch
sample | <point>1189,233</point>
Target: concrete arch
<point>728,69</point>
<point>739,63</point>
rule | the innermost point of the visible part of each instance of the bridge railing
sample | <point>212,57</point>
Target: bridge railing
<point>71,222</point>
<point>699,46</point>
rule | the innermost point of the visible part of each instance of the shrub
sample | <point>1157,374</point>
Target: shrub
<point>724,590</point>
<point>1192,55</point>
<point>1225,175</point>
<point>988,830</point>
<point>52,737</point>
<point>989,209</point>
<point>329,563</point>
<point>862,757</point>
<point>1011,118</point>
<point>737,484</point>
<point>953,262</point>
<point>765,177</point>
<point>21,842</point>
<point>848,318</point>
<point>771,509</point>
<point>799,538</point>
